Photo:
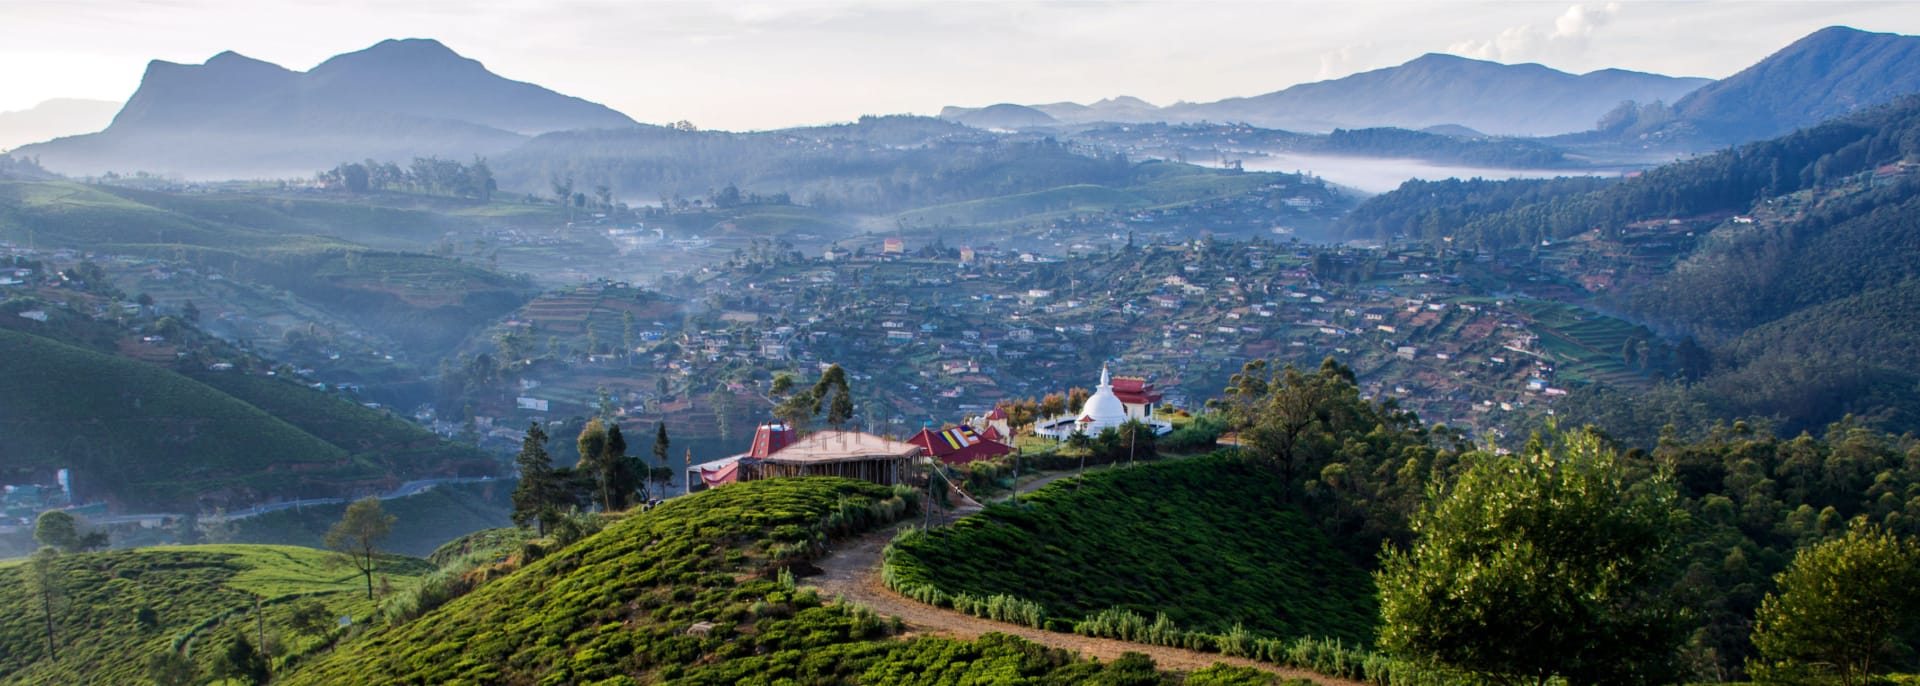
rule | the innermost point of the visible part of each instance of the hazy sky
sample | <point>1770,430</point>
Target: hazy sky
<point>740,65</point>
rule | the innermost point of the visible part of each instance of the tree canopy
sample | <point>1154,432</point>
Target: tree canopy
<point>358,534</point>
<point>1554,562</point>
<point>1841,606</point>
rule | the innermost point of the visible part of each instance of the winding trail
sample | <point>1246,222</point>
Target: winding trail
<point>852,571</point>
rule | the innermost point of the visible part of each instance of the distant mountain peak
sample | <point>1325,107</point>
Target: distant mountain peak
<point>396,99</point>
<point>1825,74</point>
<point>414,54</point>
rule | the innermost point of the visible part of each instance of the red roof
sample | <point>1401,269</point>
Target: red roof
<point>996,414</point>
<point>957,445</point>
<point>769,439</point>
<point>1134,391</point>
<point>992,433</point>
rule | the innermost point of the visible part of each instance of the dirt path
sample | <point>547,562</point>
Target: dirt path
<point>852,571</point>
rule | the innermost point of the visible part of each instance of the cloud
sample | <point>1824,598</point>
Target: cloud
<point>1568,37</point>
<point>1343,62</point>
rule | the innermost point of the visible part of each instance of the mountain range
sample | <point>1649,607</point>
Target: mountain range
<point>236,116</point>
<point>1432,90</point>
<point>1829,73</point>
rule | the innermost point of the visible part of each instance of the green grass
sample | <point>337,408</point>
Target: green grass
<point>151,436</point>
<point>1206,541</point>
<point>201,595</point>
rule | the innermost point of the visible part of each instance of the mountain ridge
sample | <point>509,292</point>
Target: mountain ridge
<point>235,115</point>
<point>1434,89</point>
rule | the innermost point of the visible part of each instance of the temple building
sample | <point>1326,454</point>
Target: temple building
<point>778,451</point>
<point>1106,409</point>
<point>958,445</point>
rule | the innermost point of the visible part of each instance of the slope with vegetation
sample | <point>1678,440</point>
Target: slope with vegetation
<point>149,435</point>
<point>115,611</point>
<point>1227,550</point>
<point>697,591</point>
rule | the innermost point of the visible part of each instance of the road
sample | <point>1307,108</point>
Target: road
<point>414,487</point>
<point>852,571</point>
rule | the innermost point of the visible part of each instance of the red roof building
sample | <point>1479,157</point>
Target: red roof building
<point>958,445</point>
<point>1134,391</point>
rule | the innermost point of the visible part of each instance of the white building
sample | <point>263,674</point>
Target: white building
<point>1103,410</point>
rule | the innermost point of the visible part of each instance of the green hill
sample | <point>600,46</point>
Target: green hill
<point>146,437</point>
<point>690,593</point>
<point>388,442</point>
<point>199,598</point>
<point>1208,541</point>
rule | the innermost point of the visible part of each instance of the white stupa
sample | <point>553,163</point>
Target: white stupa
<point>1103,409</point>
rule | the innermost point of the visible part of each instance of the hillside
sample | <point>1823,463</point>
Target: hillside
<point>624,604</point>
<point>199,598</point>
<point>237,117</point>
<point>1501,215</point>
<point>158,439</point>
<point>151,436</point>
<point>1227,550</point>
<point>1432,90</point>
<point>1830,73</point>
<point>425,303</point>
<point>1767,268</point>
<point>424,521</point>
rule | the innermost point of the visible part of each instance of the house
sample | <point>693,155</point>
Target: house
<point>848,454</point>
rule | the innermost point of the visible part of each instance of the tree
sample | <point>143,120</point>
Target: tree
<point>241,662</point>
<point>840,411</point>
<point>358,534</point>
<point>43,585</point>
<point>170,668</point>
<point>660,443</point>
<point>59,529</point>
<point>1052,405</point>
<point>603,456</point>
<point>1552,562</point>
<point>620,472</point>
<point>311,618</point>
<point>592,444</point>
<point>1842,604</point>
<point>1289,418</point>
<point>539,494</point>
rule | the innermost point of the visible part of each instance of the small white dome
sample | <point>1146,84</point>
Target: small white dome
<point>1103,408</point>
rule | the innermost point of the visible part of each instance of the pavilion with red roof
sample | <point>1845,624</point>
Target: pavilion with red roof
<point>958,445</point>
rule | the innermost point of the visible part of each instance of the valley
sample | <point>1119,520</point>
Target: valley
<point>1447,371</point>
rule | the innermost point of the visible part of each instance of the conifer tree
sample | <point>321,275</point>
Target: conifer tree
<point>538,496</point>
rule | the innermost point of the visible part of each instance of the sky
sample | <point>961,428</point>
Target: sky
<point>760,65</point>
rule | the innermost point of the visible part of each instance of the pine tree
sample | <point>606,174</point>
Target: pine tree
<point>660,443</point>
<point>537,498</point>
